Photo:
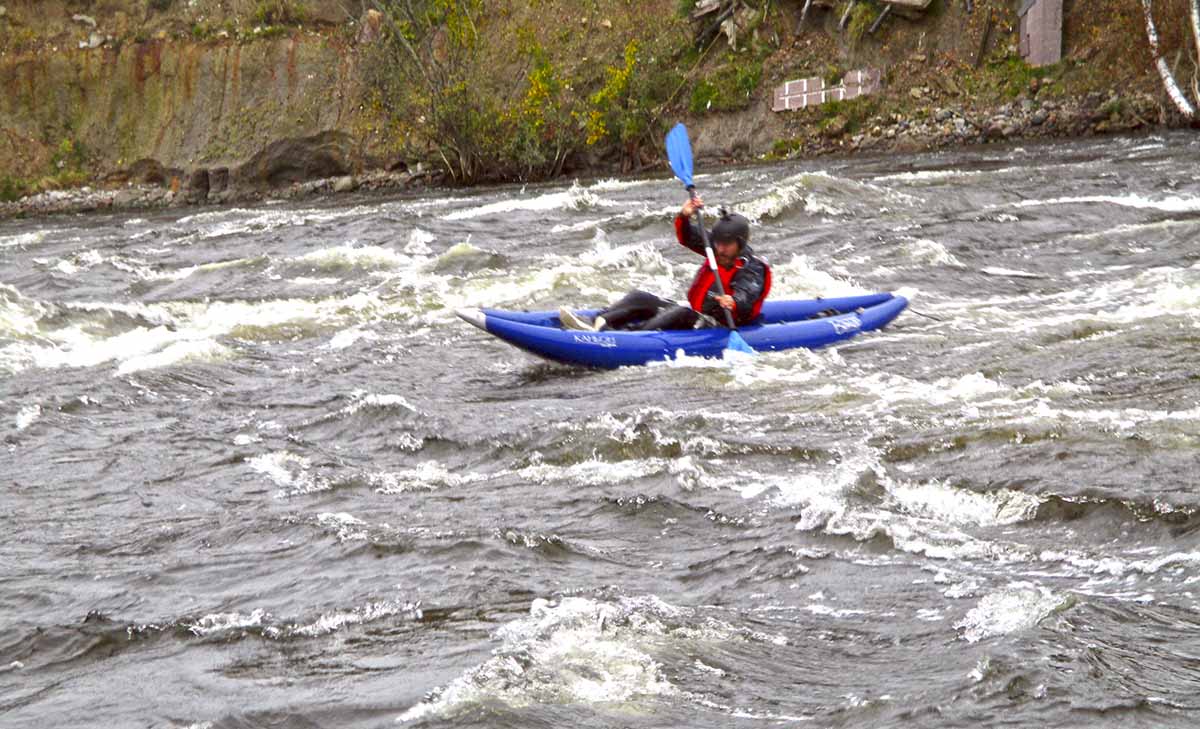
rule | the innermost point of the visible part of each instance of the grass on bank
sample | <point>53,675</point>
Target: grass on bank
<point>67,169</point>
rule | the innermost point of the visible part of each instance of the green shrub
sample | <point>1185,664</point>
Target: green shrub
<point>279,12</point>
<point>12,188</point>
<point>861,18</point>
<point>856,112</point>
<point>69,155</point>
<point>159,5</point>
<point>1013,75</point>
<point>728,88</point>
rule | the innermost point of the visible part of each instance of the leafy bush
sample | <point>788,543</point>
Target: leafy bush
<point>861,18</point>
<point>12,188</point>
<point>856,112</point>
<point>160,5</point>
<point>69,155</point>
<point>729,88</point>
<point>1014,75</point>
<point>280,12</point>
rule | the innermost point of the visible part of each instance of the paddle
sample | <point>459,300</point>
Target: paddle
<point>679,152</point>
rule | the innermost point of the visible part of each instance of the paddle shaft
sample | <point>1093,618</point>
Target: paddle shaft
<point>712,260</point>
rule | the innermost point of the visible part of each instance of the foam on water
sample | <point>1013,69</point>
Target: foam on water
<point>204,350</point>
<point>292,473</point>
<point>783,196</point>
<point>927,251</point>
<point>1009,272</point>
<point>19,314</point>
<point>931,175</point>
<point>418,242</point>
<point>180,274</point>
<point>351,255</point>
<point>613,184</point>
<point>348,527</point>
<point>1123,420</point>
<point>262,622</point>
<point>579,651</point>
<point>584,651</point>
<point>1120,566</point>
<point>23,240</point>
<point>28,415</point>
<point>234,221</point>
<point>803,278</point>
<point>162,334</point>
<point>1016,608</point>
<point>921,517</point>
<point>598,472</point>
<point>576,198</point>
<point>349,337</point>
<point>1175,204</point>
<point>428,476</point>
<point>362,400</point>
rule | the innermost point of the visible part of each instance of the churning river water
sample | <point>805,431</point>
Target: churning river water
<point>254,472</point>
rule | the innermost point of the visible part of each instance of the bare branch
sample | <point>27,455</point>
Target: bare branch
<point>1177,96</point>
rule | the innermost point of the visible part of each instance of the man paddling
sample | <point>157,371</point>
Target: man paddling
<point>745,276</point>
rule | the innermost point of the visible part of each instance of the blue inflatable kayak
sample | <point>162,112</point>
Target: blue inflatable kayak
<point>782,325</point>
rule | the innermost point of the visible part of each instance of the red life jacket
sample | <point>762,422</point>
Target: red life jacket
<point>704,279</point>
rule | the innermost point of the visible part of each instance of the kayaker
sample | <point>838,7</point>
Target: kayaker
<point>746,277</point>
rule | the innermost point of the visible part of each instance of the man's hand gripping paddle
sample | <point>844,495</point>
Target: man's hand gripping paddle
<point>679,151</point>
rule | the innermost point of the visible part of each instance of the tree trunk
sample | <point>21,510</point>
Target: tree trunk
<point>1177,96</point>
<point>1196,27</point>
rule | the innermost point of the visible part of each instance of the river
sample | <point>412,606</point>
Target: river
<point>256,473</point>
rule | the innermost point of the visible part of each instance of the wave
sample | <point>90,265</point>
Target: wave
<point>584,651</point>
<point>260,622</point>
<point>141,336</point>
<point>23,240</point>
<point>1016,608</point>
<point>926,251</point>
<point>575,198</point>
<point>28,415</point>
<point>1176,204</point>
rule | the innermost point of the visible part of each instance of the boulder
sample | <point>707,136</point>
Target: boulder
<point>196,188</point>
<point>298,159</point>
<point>148,172</point>
<point>218,180</point>
<point>127,198</point>
<point>345,184</point>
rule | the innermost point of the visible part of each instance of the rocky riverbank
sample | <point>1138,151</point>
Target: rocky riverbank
<point>928,128</point>
<point>212,102</point>
<point>144,196</point>
<point>939,127</point>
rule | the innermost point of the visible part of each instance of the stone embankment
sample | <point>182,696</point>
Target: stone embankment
<point>1027,118</point>
<point>303,168</point>
<point>147,196</point>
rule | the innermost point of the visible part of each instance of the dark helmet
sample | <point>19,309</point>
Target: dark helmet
<point>732,226</point>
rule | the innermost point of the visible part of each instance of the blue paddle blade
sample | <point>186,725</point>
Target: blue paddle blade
<point>679,151</point>
<point>737,344</point>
